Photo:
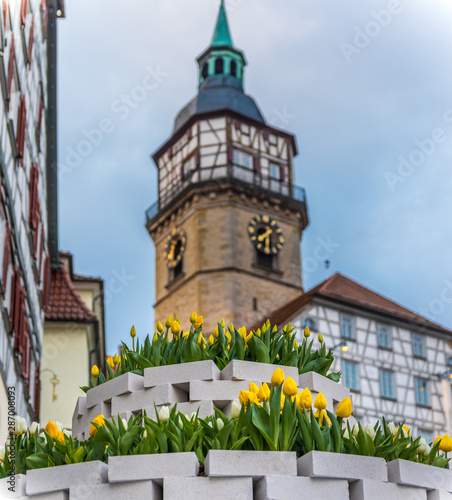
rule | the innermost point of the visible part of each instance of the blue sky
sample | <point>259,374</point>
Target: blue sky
<point>365,86</point>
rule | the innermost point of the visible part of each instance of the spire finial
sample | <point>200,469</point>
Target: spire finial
<point>222,35</point>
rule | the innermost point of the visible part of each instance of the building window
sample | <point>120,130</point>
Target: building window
<point>347,327</point>
<point>188,167</point>
<point>264,260</point>
<point>419,350</point>
<point>205,71</point>
<point>275,171</point>
<point>219,66</point>
<point>233,68</point>
<point>387,384</point>
<point>243,159</point>
<point>384,336</point>
<point>422,389</point>
<point>351,375</point>
<point>255,304</point>
<point>311,324</point>
<point>427,435</point>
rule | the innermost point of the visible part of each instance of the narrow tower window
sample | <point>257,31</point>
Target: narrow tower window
<point>219,66</point>
<point>205,71</point>
<point>233,68</point>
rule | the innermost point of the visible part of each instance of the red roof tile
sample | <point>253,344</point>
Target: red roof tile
<point>341,289</point>
<point>65,304</point>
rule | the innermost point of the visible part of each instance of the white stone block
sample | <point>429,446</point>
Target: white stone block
<point>256,464</point>
<point>156,467</point>
<point>57,495</point>
<point>124,384</point>
<point>341,466</point>
<point>318,383</point>
<point>118,491</point>
<point>221,392</point>
<point>249,370</point>
<point>294,488</point>
<point>367,489</point>
<point>13,486</point>
<point>206,488</point>
<point>83,423</point>
<point>161,395</point>
<point>181,374</point>
<point>205,408</point>
<point>439,495</point>
<point>423,476</point>
<point>64,476</point>
<point>80,407</point>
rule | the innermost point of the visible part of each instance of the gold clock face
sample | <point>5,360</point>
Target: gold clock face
<point>266,235</point>
<point>175,247</point>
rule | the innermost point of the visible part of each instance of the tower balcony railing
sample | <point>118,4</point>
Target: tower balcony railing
<point>220,175</point>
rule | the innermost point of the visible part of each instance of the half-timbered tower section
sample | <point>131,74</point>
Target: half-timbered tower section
<point>396,363</point>
<point>228,221</point>
<point>24,249</point>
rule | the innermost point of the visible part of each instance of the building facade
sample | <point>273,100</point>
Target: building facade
<point>228,222</point>
<point>395,362</point>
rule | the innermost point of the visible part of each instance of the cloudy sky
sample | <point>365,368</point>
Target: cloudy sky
<point>365,86</point>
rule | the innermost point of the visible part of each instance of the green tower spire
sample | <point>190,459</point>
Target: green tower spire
<point>222,35</point>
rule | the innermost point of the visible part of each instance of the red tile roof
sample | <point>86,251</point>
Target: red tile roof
<point>65,304</point>
<point>345,291</point>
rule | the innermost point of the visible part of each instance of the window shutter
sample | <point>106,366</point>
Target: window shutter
<point>24,11</point>
<point>31,40</point>
<point>41,251</point>
<point>15,305</point>
<point>282,173</point>
<point>11,67</point>
<point>26,348</point>
<point>34,177</point>
<point>257,164</point>
<point>6,256</point>
<point>37,390</point>
<point>21,124</point>
<point>197,158</point>
<point>237,125</point>
<point>230,153</point>
<point>47,280</point>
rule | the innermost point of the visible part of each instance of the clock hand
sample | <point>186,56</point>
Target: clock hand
<point>265,235</point>
<point>171,252</point>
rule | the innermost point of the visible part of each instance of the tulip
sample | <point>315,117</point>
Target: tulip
<point>344,408</point>
<point>52,429</point>
<point>159,327</point>
<point>322,414</point>
<point>295,344</point>
<point>220,424</point>
<point>320,402</point>
<point>59,426</point>
<point>145,434</point>
<point>34,427</point>
<point>115,359</point>
<point>175,328</point>
<point>392,428</point>
<point>355,430</point>
<point>133,332</point>
<point>216,332</point>
<point>277,377</point>
<point>99,420</point>
<point>424,448</point>
<point>346,434</point>
<point>124,423</point>
<point>228,335</point>
<point>222,323</point>
<point>67,433</point>
<point>193,317</point>
<point>437,440</point>
<point>370,431</point>
<point>283,400</point>
<point>169,322</point>
<point>211,340</point>
<point>248,338</point>
<point>2,454</point>
<point>110,362</point>
<point>290,387</point>
<point>264,392</point>
<point>235,410</point>
<point>243,397</point>
<point>198,323</point>
<point>20,425</point>
<point>321,338</point>
<point>94,371</point>
<point>242,331</point>
<point>446,444</point>
<point>304,399</point>
<point>60,437</point>
<point>252,398</point>
<point>307,332</point>
<point>254,388</point>
<point>163,414</point>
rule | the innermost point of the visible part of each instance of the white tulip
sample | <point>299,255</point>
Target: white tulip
<point>392,428</point>
<point>124,423</point>
<point>220,424</point>
<point>59,426</point>
<point>405,433</point>
<point>424,448</point>
<point>164,414</point>
<point>34,427</point>
<point>235,410</point>
<point>179,421</point>
<point>67,433</point>
<point>2,453</point>
<point>193,416</point>
<point>355,430</point>
<point>370,431</point>
<point>346,434</point>
<point>145,434</point>
<point>20,425</point>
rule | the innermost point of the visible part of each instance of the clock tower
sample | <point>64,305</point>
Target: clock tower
<point>228,222</point>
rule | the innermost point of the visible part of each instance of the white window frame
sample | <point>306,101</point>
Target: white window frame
<point>387,384</point>
<point>385,344</point>
<point>419,345</point>
<point>352,324</point>
<point>240,159</point>
<point>422,397</point>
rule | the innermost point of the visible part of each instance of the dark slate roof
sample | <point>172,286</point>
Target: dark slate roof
<point>220,94</point>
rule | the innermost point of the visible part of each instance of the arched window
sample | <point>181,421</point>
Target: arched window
<point>205,71</point>
<point>233,68</point>
<point>219,66</point>
<point>311,324</point>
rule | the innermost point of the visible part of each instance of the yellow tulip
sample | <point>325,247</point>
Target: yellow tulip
<point>185,336</point>
<point>321,338</point>
<point>110,362</point>
<point>307,332</point>
<point>254,388</point>
<point>320,402</point>
<point>295,344</point>
<point>211,339</point>
<point>278,377</point>
<point>60,437</point>
<point>344,408</point>
<point>52,429</point>
<point>264,392</point>
<point>446,444</point>
<point>175,328</point>
<point>323,415</point>
<point>252,398</point>
<point>243,397</point>
<point>248,337</point>
<point>155,338</point>
<point>407,430</point>
<point>198,323</point>
<point>169,322</point>
<point>115,359</point>
<point>201,340</point>
<point>222,323</point>
<point>242,331</point>
<point>290,387</point>
<point>436,440</point>
<point>133,332</point>
<point>304,399</point>
<point>216,332</point>
<point>99,420</point>
<point>258,332</point>
<point>193,317</point>
<point>228,335</point>
<point>283,399</point>
<point>94,371</point>
<point>159,327</point>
